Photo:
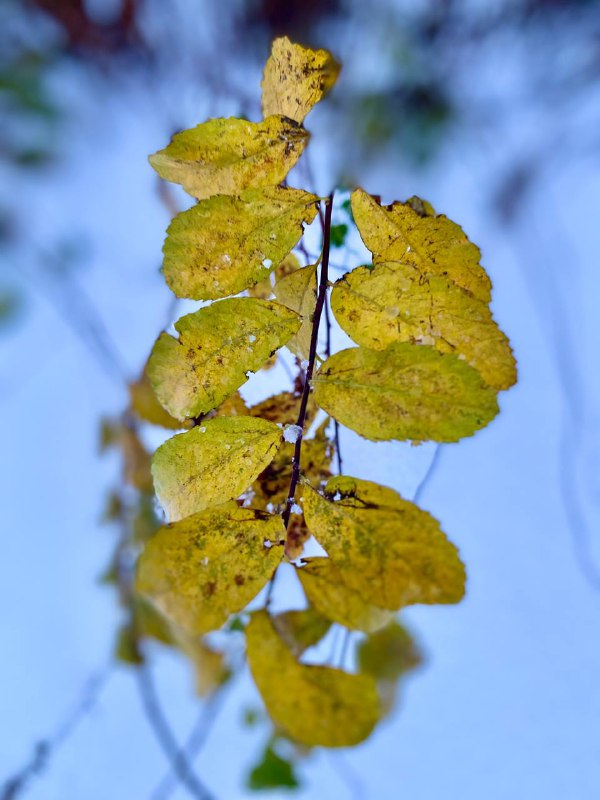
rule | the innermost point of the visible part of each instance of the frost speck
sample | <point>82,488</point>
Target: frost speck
<point>295,509</point>
<point>304,365</point>
<point>291,433</point>
<point>252,338</point>
<point>267,263</point>
<point>203,429</point>
<point>204,561</point>
<point>226,258</point>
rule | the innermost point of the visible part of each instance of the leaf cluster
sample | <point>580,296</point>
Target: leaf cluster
<point>245,487</point>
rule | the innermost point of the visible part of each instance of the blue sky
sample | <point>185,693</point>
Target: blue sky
<point>507,704</point>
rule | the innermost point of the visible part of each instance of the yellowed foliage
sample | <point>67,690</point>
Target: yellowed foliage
<point>433,245</point>
<point>224,244</point>
<point>404,392</point>
<point>387,655</point>
<point>212,463</point>
<point>202,569</point>
<point>296,78</point>
<point>145,405</point>
<point>312,705</point>
<point>388,550</point>
<point>301,629</point>
<point>136,460</point>
<point>217,347</point>
<point>228,156</point>
<point>273,483</point>
<point>298,291</point>
<point>329,593</point>
<point>395,302</point>
<point>210,666</point>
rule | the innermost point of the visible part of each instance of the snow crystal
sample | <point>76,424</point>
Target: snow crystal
<point>291,433</point>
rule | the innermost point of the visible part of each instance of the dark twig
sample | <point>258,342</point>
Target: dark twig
<point>195,742</point>
<point>428,475</point>
<point>47,747</point>
<point>165,737</point>
<point>312,354</point>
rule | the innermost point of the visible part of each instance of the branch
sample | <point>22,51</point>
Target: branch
<point>165,737</point>
<point>195,742</point>
<point>312,354</point>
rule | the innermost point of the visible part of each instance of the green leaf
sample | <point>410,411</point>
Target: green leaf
<point>273,772</point>
<point>313,705</point>
<point>218,347</point>
<point>301,629</point>
<point>296,78</point>
<point>298,291</point>
<point>202,569</point>
<point>404,392</point>
<point>225,244</point>
<point>395,302</point>
<point>228,156</point>
<point>212,463</point>
<point>433,245</point>
<point>329,593</point>
<point>387,549</point>
<point>338,235</point>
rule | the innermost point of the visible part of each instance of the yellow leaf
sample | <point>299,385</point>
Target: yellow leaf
<point>145,405</point>
<point>328,592</point>
<point>301,629</point>
<point>284,408</point>
<point>212,463</point>
<point>313,705</point>
<point>298,291</point>
<point>395,302</point>
<point>149,622</point>
<point>224,244</point>
<point>264,289</point>
<point>199,571</point>
<point>273,483</point>
<point>387,655</point>
<point>387,549</point>
<point>433,245</point>
<point>210,666</point>
<point>136,460</point>
<point>296,78</point>
<point>228,156</point>
<point>404,392</point>
<point>217,347</point>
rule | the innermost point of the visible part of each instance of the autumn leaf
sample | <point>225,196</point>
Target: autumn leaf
<point>201,569</point>
<point>313,705</point>
<point>296,78</point>
<point>298,291</point>
<point>218,347</point>
<point>434,245</point>
<point>395,302</point>
<point>404,392</point>
<point>228,156</point>
<point>212,463</point>
<point>224,244</point>
<point>329,593</point>
<point>301,629</point>
<point>388,550</point>
<point>145,405</point>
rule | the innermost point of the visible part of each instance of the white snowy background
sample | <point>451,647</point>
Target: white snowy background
<point>508,703</point>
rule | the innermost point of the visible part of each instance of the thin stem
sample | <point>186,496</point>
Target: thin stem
<point>165,737</point>
<point>312,354</point>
